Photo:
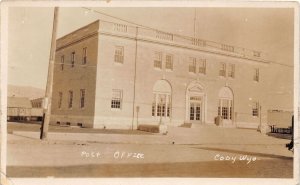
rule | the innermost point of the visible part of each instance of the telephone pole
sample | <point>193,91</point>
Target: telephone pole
<point>48,94</point>
<point>195,23</point>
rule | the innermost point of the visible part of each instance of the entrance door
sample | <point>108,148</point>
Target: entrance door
<point>195,112</point>
<point>195,104</point>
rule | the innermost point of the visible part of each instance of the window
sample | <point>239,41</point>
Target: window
<point>82,98</point>
<point>169,62</point>
<point>73,59</point>
<point>202,66</point>
<point>70,99</point>
<point>158,60</point>
<point>231,70</point>
<point>192,65</point>
<point>62,61</point>
<point>161,103</point>
<point>256,75</point>
<point>119,54</point>
<point>84,56</point>
<point>169,106</point>
<point>154,105</point>
<point>225,109</point>
<point>255,107</point>
<point>59,99</point>
<point>116,100</point>
<point>222,71</point>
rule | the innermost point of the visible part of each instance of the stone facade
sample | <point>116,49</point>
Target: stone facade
<point>129,75</point>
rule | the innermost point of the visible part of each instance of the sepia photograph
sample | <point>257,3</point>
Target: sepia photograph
<point>160,91</point>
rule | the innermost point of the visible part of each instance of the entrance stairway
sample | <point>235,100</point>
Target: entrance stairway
<point>199,125</point>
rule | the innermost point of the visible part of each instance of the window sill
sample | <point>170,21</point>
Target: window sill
<point>118,63</point>
<point>157,69</point>
<point>115,109</point>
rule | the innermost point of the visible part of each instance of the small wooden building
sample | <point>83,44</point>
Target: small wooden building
<point>18,109</point>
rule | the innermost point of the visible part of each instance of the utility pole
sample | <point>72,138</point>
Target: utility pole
<point>195,23</point>
<point>48,94</point>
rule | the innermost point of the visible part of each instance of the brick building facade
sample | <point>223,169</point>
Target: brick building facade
<point>118,76</point>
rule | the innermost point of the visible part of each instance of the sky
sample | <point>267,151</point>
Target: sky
<point>269,30</point>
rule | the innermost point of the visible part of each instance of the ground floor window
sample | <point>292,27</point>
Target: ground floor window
<point>255,107</point>
<point>161,102</point>
<point>161,105</point>
<point>116,101</point>
<point>225,109</point>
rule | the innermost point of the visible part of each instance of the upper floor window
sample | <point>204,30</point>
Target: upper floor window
<point>116,100</point>
<point>192,65</point>
<point>231,70</point>
<point>255,109</point>
<point>202,66</point>
<point>70,99</point>
<point>73,59</point>
<point>82,98</point>
<point>158,60</point>
<point>169,62</point>
<point>256,75</point>
<point>59,99</point>
<point>119,54</point>
<point>84,56</point>
<point>222,71</point>
<point>62,61</point>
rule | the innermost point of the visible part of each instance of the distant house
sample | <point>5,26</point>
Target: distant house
<point>37,103</point>
<point>37,109</point>
<point>280,118</point>
<point>18,109</point>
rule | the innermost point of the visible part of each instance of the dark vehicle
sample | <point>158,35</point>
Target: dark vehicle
<point>290,145</point>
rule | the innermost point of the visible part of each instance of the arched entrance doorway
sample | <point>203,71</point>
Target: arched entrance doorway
<point>225,107</point>
<point>162,101</point>
<point>195,103</point>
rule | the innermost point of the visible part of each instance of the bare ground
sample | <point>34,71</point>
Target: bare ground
<point>220,169</point>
